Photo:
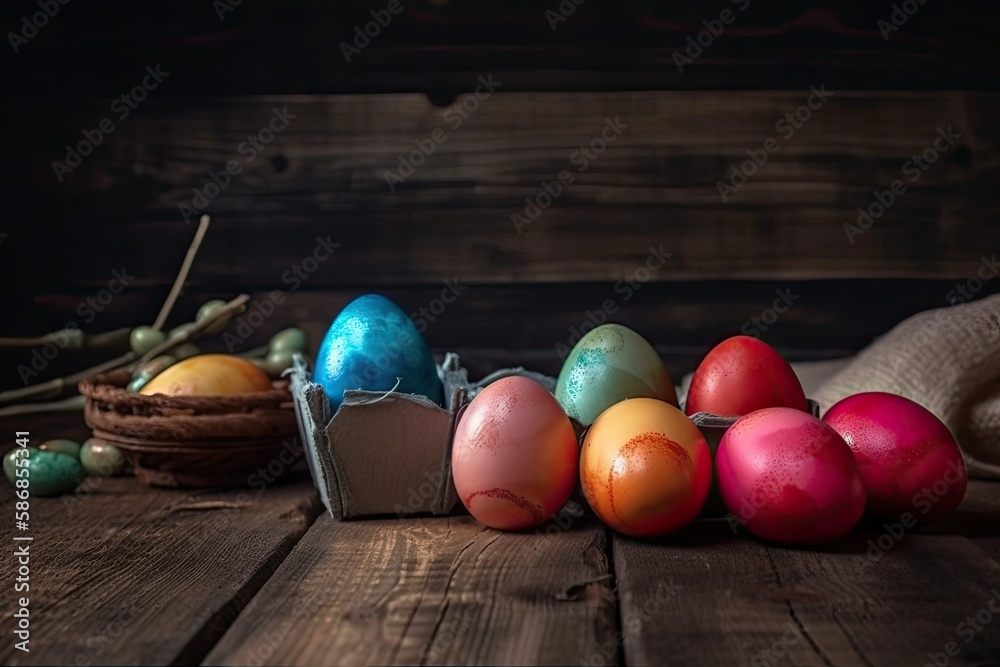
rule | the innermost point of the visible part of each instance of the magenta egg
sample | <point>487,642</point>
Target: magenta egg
<point>515,457</point>
<point>910,464</point>
<point>789,477</point>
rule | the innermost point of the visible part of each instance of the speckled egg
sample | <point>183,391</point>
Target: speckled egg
<point>789,477</point>
<point>370,344</point>
<point>645,468</point>
<point>49,473</point>
<point>742,374</point>
<point>608,365</point>
<point>514,455</point>
<point>909,461</point>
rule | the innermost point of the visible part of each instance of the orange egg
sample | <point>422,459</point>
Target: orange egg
<point>209,375</point>
<point>645,468</point>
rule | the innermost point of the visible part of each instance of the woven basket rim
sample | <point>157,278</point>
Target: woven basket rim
<point>110,388</point>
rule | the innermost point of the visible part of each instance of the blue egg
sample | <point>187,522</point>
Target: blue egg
<point>370,344</point>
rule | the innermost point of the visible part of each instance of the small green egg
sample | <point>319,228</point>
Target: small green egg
<point>61,445</point>
<point>289,340</point>
<point>185,351</point>
<point>49,473</point>
<point>100,457</point>
<point>279,362</point>
<point>144,339</point>
<point>10,458</point>
<point>210,308</point>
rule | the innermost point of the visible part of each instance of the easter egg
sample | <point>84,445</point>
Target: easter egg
<point>48,473</point>
<point>789,477</point>
<point>514,455</point>
<point>742,374</point>
<point>608,365</point>
<point>209,375</point>
<point>910,464</point>
<point>370,344</point>
<point>645,468</point>
<point>10,461</point>
<point>100,457</point>
<point>63,446</point>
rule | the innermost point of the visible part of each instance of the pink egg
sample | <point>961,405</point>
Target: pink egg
<point>515,457</point>
<point>909,461</point>
<point>789,477</point>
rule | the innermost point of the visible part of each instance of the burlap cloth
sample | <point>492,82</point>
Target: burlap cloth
<point>948,360</point>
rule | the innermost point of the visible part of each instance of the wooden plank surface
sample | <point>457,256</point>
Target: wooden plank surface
<point>741,601</point>
<point>431,591</point>
<point>121,574</point>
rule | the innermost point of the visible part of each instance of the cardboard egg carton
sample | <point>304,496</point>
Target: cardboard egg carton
<point>386,453</point>
<point>389,453</point>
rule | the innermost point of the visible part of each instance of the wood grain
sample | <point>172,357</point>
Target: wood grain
<point>431,46</point>
<point>324,176</point>
<point>430,591</point>
<point>742,601</point>
<point>125,574</point>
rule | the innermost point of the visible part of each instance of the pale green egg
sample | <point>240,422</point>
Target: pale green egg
<point>608,365</point>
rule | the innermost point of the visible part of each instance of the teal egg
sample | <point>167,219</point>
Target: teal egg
<point>608,365</point>
<point>9,461</point>
<point>49,473</point>
<point>370,344</point>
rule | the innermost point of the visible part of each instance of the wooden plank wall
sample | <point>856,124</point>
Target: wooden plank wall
<point>655,186</point>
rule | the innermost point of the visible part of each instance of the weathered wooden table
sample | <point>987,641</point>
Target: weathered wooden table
<point>124,574</point>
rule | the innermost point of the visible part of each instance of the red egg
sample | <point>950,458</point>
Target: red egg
<point>515,457</point>
<point>742,374</point>
<point>909,461</point>
<point>789,477</point>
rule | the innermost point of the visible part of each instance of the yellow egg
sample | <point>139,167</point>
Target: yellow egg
<point>209,375</point>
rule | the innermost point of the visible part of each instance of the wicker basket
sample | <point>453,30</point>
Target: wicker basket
<point>195,441</point>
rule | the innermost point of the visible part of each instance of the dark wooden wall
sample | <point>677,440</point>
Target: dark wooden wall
<point>656,184</point>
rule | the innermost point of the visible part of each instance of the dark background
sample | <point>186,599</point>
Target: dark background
<point>656,185</point>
